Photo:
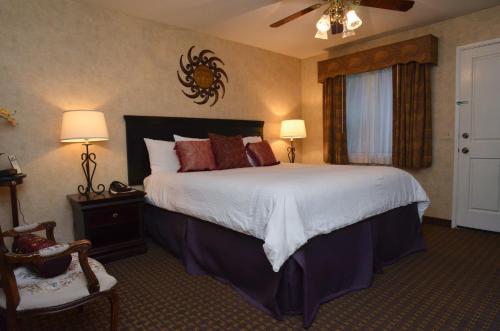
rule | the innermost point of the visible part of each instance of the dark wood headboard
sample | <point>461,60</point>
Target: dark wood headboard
<point>164,128</point>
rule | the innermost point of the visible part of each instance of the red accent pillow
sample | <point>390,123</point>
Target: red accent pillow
<point>229,152</point>
<point>31,243</point>
<point>262,154</point>
<point>195,155</point>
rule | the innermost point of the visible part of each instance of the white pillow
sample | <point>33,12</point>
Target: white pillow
<point>252,139</point>
<point>181,138</point>
<point>162,156</point>
<point>246,140</point>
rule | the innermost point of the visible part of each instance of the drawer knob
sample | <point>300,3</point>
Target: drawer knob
<point>115,215</point>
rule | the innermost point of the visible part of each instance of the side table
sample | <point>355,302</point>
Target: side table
<point>12,182</point>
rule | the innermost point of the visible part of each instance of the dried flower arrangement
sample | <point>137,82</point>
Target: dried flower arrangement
<point>8,116</point>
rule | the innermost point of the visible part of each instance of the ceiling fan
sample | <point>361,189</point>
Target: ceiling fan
<point>340,17</point>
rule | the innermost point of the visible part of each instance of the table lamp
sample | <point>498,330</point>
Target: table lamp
<point>85,126</point>
<point>292,129</point>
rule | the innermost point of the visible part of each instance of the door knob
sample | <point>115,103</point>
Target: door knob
<point>465,150</point>
<point>465,135</point>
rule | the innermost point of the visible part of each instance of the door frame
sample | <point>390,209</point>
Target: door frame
<point>456,146</point>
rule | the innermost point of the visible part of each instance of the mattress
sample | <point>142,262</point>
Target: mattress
<point>288,204</point>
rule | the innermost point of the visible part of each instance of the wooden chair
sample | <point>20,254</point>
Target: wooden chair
<point>24,294</point>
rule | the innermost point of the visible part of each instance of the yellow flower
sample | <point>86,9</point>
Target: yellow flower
<point>8,116</point>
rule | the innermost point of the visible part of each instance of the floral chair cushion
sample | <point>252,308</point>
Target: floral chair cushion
<point>37,292</point>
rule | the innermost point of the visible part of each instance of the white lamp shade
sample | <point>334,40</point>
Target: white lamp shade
<point>321,35</point>
<point>83,126</point>
<point>293,129</point>
<point>323,23</point>
<point>353,20</point>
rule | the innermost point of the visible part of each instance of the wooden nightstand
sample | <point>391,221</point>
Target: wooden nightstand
<point>112,223</point>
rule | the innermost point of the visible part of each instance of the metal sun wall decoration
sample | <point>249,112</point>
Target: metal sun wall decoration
<point>202,77</point>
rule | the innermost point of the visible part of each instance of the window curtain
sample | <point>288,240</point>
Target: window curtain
<point>369,117</point>
<point>334,120</point>
<point>412,121</point>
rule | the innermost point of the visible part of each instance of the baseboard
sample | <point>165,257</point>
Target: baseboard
<point>436,221</point>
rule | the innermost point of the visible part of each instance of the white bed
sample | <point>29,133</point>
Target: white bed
<point>285,205</point>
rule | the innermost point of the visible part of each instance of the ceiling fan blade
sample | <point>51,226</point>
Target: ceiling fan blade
<point>296,15</point>
<point>399,5</point>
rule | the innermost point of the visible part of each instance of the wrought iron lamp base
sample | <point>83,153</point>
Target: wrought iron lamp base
<point>291,152</point>
<point>89,166</point>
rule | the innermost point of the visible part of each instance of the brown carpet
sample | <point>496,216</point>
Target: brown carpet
<point>455,285</point>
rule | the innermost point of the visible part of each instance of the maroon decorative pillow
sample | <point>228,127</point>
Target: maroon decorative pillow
<point>229,152</point>
<point>31,243</point>
<point>262,154</point>
<point>195,155</point>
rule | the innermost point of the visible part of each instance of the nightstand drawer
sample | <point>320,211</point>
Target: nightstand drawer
<point>114,234</point>
<point>112,215</point>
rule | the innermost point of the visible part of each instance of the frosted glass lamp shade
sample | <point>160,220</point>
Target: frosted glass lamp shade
<point>323,24</point>
<point>293,129</point>
<point>353,20</point>
<point>83,126</point>
<point>321,35</point>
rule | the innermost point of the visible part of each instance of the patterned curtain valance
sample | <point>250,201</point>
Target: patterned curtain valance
<point>421,50</point>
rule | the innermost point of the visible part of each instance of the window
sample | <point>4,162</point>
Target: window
<point>369,117</point>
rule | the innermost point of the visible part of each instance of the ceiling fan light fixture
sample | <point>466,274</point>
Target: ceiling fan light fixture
<point>323,23</point>
<point>353,20</point>
<point>321,35</point>
<point>340,18</point>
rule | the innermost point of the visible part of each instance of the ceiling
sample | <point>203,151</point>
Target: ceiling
<point>247,21</point>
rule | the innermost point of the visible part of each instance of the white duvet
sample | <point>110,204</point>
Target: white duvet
<point>286,205</point>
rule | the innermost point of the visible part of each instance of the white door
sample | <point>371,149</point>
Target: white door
<point>477,196</point>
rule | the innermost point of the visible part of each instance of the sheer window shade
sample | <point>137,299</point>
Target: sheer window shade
<point>369,117</point>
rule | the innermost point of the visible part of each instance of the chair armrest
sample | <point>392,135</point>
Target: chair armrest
<point>47,226</point>
<point>81,247</point>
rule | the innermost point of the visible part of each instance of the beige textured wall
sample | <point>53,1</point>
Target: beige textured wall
<point>312,110</point>
<point>62,54</point>
<point>437,180</point>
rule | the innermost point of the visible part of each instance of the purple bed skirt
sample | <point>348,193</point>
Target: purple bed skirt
<point>327,267</point>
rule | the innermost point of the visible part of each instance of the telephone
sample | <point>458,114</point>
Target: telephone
<point>9,165</point>
<point>117,187</point>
